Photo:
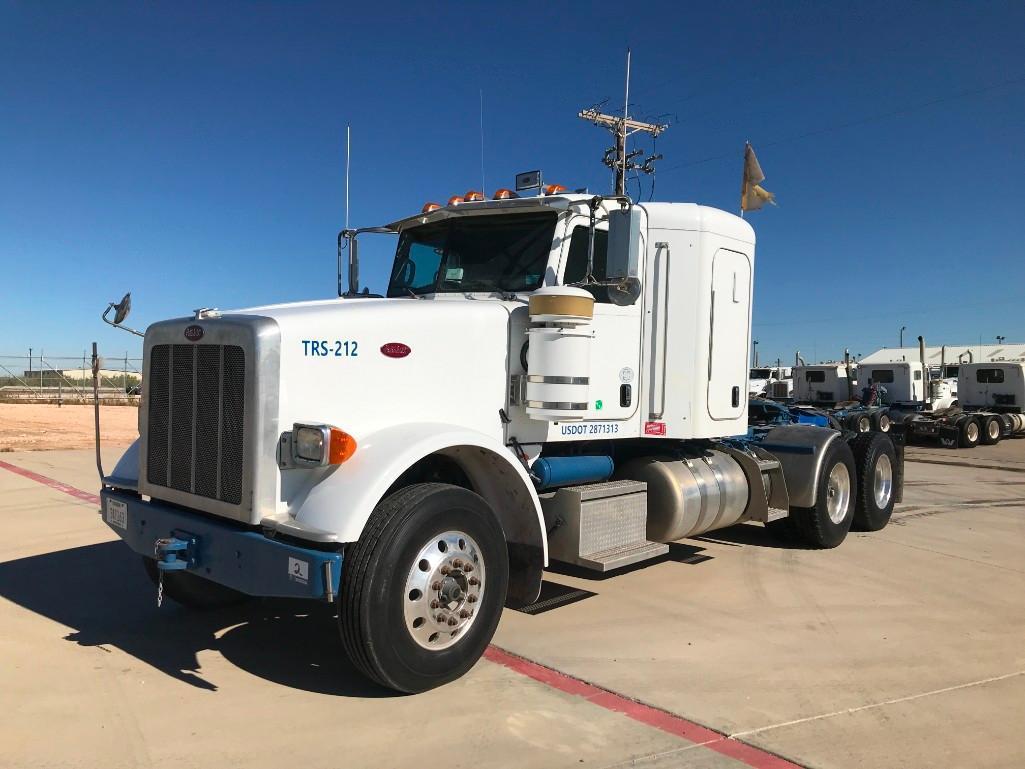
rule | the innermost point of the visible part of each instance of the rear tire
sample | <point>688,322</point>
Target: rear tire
<point>191,591</point>
<point>969,433</point>
<point>859,423</point>
<point>992,430</point>
<point>411,614</point>
<point>876,460</point>
<point>826,524</point>
<point>881,422</point>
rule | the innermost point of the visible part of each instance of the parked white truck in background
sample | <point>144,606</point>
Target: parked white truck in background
<point>772,382</point>
<point>824,384</point>
<point>548,377</point>
<point>904,382</point>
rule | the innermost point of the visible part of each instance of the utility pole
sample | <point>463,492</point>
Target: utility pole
<point>617,158</point>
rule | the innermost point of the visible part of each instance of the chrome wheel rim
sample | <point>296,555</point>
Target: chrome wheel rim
<point>994,429</point>
<point>444,588</point>
<point>838,492</point>
<point>882,482</point>
<point>972,431</point>
<point>864,425</point>
<point>884,423</point>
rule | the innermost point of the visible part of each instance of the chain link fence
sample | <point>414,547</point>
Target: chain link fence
<point>60,379</point>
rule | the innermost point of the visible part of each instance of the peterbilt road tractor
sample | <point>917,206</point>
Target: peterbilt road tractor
<point>548,377</point>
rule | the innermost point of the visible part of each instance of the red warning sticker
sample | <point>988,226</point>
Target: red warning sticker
<point>654,428</point>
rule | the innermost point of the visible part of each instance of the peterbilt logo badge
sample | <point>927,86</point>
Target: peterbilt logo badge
<point>395,350</point>
<point>193,333</point>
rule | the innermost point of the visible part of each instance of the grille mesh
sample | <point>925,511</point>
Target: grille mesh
<point>196,419</point>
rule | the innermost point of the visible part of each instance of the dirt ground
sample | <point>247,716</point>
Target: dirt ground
<point>33,427</point>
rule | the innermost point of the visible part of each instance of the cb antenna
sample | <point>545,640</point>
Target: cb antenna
<point>617,157</point>
<point>347,137</point>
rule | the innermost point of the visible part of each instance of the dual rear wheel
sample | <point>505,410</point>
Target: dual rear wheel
<point>856,489</point>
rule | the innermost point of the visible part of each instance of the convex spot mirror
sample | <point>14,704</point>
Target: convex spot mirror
<point>624,255</point>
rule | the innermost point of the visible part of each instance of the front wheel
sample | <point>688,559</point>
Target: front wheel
<point>423,588</point>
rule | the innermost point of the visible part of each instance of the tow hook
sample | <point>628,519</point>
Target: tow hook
<point>175,553</point>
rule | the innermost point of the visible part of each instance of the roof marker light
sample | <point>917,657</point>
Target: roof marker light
<point>455,200</point>
<point>554,189</point>
<point>504,194</point>
<point>472,196</point>
<point>428,207</point>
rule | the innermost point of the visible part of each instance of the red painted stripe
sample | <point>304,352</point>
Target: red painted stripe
<point>638,711</point>
<point>51,483</point>
<point>603,698</point>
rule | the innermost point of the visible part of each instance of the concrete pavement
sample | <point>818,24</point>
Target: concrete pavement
<point>901,648</point>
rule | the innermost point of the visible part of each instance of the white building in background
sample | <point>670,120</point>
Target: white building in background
<point>933,354</point>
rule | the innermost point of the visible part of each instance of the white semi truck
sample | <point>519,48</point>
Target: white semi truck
<point>824,384</point>
<point>554,377</point>
<point>775,382</point>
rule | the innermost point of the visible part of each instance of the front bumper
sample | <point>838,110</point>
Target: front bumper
<point>222,551</point>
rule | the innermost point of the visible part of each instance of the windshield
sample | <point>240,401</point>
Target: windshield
<point>489,252</point>
<point>761,373</point>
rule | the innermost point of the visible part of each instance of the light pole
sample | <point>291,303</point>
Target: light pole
<point>754,351</point>
<point>902,330</point>
<point>1000,339</point>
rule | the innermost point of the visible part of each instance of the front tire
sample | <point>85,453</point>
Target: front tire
<point>876,460</point>
<point>423,588</point>
<point>826,524</point>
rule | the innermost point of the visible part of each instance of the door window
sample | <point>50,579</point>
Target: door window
<point>576,261</point>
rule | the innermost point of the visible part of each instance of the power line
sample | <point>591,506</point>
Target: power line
<point>860,121</point>
<point>617,157</point>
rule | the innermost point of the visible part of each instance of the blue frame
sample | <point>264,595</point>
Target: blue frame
<point>226,553</point>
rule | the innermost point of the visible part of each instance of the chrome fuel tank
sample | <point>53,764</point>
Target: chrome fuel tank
<point>689,495</point>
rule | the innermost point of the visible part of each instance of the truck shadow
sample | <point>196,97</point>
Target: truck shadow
<point>101,592</point>
<point>752,534</point>
<point>679,552</point>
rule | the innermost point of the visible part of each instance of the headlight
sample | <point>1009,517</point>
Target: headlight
<point>319,445</point>
<point>310,442</point>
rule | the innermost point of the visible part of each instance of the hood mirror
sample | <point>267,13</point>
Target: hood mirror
<point>121,310</point>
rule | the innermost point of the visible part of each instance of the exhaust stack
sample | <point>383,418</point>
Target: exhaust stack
<point>925,370</point>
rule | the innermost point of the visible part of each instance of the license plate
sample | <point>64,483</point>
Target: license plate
<point>117,513</point>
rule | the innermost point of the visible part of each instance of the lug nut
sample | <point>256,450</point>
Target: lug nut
<point>474,581</point>
<point>464,613</point>
<point>452,621</point>
<point>471,599</point>
<point>435,586</point>
<point>457,563</point>
<point>468,568</point>
<point>435,604</point>
<point>445,570</point>
<point>440,619</point>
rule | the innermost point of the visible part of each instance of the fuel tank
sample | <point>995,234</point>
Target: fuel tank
<point>689,495</point>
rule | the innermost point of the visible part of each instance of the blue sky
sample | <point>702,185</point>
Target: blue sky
<point>193,152</point>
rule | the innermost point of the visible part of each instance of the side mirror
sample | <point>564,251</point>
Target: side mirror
<point>624,255</point>
<point>121,310</point>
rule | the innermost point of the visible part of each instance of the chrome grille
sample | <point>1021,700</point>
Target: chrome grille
<point>196,416</point>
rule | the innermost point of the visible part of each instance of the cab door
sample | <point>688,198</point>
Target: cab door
<point>616,348</point>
